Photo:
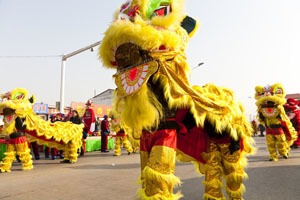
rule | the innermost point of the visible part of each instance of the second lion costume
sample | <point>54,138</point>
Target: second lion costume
<point>21,124</point>
<point>280,133</point>
<point>293,112</point>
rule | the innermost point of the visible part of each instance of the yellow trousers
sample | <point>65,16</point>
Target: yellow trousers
<point>70,152</point>
<point>220,163</point>
<point>21,149</point>
<point>277,144</point>
<point>157,151</point>
<point>122,141</point>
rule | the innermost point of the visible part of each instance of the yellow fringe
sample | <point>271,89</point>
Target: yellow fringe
<point>142,195</point>
<point>5,165</point>
<point>215,183</point>
<point>10,155</point>
<point>242,162</point>
<point>209,197</point>
<point>236,194</point>
<point>165,180</point>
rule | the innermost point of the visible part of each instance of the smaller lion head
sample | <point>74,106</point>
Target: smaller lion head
<point>269,99</point>
<point>13,104</point>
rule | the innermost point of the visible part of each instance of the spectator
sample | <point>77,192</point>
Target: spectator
<point>104,134</point>
<point>49,151</point>
<point>97,127</point>
<point>261,129</point>
<point>76,119</point>
<point>35,148</point>
<point>254,127</point>
<point>88,119</point>
<point>53,151</point>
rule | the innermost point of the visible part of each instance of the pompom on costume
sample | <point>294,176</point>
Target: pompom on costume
<point>199,124</point>
<point>293,112</point>
<point>280,133</point>
<point>21,124</point>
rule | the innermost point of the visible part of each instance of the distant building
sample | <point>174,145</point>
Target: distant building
<point>102,104</point>
<point>294,96</point>
<point>99,109</point>
<point>104,98</point>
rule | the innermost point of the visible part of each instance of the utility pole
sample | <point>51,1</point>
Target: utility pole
<point>63,69</point>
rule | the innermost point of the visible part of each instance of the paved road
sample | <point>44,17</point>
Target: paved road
<point>100,176</point>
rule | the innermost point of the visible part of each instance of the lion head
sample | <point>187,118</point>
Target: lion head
<point>270,100</point>
<point>15,103</point>
<point>146,43</point>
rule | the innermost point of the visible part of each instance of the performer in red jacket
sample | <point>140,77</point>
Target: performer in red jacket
<point>88,119</point>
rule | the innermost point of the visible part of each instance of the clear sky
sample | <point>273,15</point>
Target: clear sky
<point>242,44</point>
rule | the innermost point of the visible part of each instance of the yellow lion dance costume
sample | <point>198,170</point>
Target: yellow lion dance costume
<point>21,124</point>
<point>280,133</point>
<point>204,125</point>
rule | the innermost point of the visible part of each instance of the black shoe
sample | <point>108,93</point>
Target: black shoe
<point>106,151</point>
<point>294,146</point>
<point>129,153</point>
<point>285,156</point>
<point>18,159</point>
<point>65,161</point>
<point>37,158</point>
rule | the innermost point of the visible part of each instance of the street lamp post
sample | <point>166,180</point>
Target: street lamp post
<point>63,69</point>
<point>199,64</point>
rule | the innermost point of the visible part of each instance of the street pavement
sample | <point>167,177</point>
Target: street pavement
<point>102,176</point>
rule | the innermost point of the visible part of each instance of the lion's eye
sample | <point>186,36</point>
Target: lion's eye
<point>21,96</point>
<point>161,11</point>
<point>278,91</point>
<point>4,99</point>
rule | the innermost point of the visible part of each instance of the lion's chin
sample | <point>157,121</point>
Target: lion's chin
<point>140,111</point>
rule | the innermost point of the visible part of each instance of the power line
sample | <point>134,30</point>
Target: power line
<point>42,56</point>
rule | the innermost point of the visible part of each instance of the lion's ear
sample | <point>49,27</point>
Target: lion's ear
<point>32,99</point>
<point>190,25</point>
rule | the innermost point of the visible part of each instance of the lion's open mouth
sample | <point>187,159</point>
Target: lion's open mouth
<point>135,66</point>
<point>269,109</point>
<point>9,115</point>
<point>268,104</point>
